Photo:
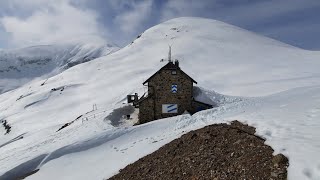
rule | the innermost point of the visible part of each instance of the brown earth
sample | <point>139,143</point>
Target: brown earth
<point>218,151</point>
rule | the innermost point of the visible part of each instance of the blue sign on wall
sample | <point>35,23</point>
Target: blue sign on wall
<point>174,88</point>
<point>169,108</point>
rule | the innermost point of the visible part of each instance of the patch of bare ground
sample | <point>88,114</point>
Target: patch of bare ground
<point>218,151</point>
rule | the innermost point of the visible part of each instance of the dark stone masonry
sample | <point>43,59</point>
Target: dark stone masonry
<point>170,93</point>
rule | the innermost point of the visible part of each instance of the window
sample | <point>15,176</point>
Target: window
<point>174,72</point>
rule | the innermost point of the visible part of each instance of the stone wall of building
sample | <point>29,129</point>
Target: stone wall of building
<point>146,110</point>
<point>162,83</point>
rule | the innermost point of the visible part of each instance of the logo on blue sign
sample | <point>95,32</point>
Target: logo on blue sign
<point>169,108</point>
<point>174,88</point>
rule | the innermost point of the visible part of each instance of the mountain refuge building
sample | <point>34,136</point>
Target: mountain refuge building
<point>170,93</point>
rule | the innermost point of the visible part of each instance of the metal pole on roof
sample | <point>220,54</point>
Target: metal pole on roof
<point>169,54</point>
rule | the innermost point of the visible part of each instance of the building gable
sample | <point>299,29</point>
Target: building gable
<point>173,67</point>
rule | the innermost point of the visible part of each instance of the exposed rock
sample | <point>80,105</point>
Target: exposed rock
<point>218,151</point>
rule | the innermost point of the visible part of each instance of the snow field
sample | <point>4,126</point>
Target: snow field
<point>265,83</point>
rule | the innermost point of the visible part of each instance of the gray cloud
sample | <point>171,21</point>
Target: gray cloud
<point>132,18</point>
<point>50,22</point>
<point>241,11</point>
<point>46,21</point>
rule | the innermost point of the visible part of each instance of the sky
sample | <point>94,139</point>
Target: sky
<point>38,22</point>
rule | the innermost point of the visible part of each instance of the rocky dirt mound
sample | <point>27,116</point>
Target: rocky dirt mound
<point>217,151</point>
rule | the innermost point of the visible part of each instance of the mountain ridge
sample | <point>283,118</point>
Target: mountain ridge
<point>18,66</point>
<point>247,73</point>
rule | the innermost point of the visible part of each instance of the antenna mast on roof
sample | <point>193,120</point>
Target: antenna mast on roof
<point>169,54</point>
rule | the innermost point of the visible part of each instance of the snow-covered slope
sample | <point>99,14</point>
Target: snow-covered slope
<point>268,84</point>
<point>19,66</point>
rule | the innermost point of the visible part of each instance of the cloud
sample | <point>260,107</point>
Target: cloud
<point>266,10</point>
<point>177,8</point>
<point>50,22</point>
<point>240,11</point>
<point>30,22</point>
<point>135,15</point>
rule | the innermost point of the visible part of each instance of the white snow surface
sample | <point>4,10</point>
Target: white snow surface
<point>259,81</point>
<point>19,66</point>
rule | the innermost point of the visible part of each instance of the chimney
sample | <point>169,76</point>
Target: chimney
<point>176,62</point>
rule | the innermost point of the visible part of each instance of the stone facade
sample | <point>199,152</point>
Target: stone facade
<point>146,110</point>
<point>170,93</point>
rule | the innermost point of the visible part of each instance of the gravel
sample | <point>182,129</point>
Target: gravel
<point>218,151</point>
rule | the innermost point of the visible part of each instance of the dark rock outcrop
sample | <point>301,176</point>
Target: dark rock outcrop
<point>218,151</point>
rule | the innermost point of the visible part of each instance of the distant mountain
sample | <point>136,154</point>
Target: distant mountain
<point>19,66</point>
